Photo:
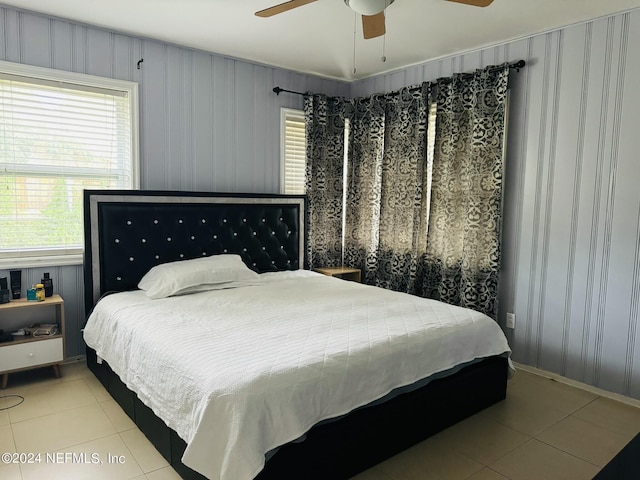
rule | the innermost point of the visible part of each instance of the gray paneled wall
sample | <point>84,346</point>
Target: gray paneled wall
<point>207,122</point>
<point>571,245</point>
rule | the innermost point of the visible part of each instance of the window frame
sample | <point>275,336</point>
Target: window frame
<point>46,257</point>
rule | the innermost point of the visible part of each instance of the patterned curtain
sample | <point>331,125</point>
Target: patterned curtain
<point>385,232</point>
<point>324,121</point>
<point>463,244</point>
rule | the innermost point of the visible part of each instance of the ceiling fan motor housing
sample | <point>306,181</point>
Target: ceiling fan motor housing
<point>368,7</point>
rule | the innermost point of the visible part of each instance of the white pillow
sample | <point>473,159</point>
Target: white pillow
<point>189,276</point>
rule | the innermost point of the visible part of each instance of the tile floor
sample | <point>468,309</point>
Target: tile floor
<point>544,430</point>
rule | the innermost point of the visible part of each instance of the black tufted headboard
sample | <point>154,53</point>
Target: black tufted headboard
<point>128,232</point>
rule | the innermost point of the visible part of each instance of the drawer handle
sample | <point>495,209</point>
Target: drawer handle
<point>31,355</point>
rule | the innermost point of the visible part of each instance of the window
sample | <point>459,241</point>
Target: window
<point>60,133</point>
<point>293,151</point>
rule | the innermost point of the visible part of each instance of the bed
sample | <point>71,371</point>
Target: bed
<point>349,403</point>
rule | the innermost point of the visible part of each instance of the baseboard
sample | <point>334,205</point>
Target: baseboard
<point>583,386</point>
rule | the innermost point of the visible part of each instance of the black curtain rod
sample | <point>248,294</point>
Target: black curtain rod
<point>517,66</point>
<point>278,91</point>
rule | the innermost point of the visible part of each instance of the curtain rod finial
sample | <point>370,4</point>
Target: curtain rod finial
<point>518,65</point>
<point>277,90</point>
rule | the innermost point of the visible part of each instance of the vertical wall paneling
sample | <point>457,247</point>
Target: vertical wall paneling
<point>122,58</point>
<point>229,123</point>
<point>598,234</point>
<point>175,118</point>
<point>631,380</point>
<point>98,53</point>
<point>585,210</point>
<point>631,198</point>
<point>37,31</point>
<point>78,48</point>
<point>152,122</point>
<point>514,174</point>
<point>571,232</point>
<point>171,116</point>
<point>577,73</point>
<point>602,234</point>
<point>532,197</point>
<point>190,101</point>
<point>547,160</point>
<point>206,122</point>
<point>11,35</point>
<point>221,107</point>
<point>617,279</point>
<point>244,95</point>
<point>203,107</point>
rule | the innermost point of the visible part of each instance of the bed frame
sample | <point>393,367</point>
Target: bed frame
<point>128,232</point>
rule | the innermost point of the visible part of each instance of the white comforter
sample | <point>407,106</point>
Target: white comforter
<point>238,372</point>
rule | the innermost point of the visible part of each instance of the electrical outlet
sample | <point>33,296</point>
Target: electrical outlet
<point>511,320</point>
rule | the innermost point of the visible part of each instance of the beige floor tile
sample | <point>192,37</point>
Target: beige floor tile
<point>120,420</point>
<point>430,459</point>
<point>63,429</point>
<point>75,370</point>
<point>97,389</point>
<point>143,450</point>
<point>523,414</point>
<point>6,439</point>
<point>372,474</point>
<point>584,440</point>
<point>52,398</point>
<point>547,394</point>
<point>10,472</point>
<point>4,414</point>
<point>481,439</point>
<point>39,377</point>
<point>107,458</point>
<point>536,460</point>
<point>27,379</point>
<point>616,416</point>
<point>487,474</point>
<point>166,473</point>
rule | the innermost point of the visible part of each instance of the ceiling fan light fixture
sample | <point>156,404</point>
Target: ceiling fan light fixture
<point>368,7</point>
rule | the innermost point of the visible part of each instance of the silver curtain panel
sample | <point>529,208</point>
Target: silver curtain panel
<point>463,242</point>
<point>324,121</point>
<point>385,229</point>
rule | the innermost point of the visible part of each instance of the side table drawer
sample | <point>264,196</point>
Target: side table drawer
<point>14,357</point>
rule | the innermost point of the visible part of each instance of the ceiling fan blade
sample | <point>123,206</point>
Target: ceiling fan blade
<point>283,7</point>
<point>373,25</point>
<point>475,3</point>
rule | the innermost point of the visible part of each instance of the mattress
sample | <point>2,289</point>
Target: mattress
<point>241,371</point>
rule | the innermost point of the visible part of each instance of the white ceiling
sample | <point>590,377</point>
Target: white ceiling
<point>318,38</point>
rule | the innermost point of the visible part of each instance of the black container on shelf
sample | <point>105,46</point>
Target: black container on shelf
<point>48,284</point>
<point>16,283</point>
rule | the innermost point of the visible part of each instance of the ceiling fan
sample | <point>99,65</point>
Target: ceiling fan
<point>372,11</point>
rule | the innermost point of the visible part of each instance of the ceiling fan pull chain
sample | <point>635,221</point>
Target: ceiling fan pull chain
<point>355,23</point>
<point>384,48</point>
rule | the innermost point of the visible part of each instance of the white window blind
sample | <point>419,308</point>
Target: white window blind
<point>293,151</point>
<point>60,133</point>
